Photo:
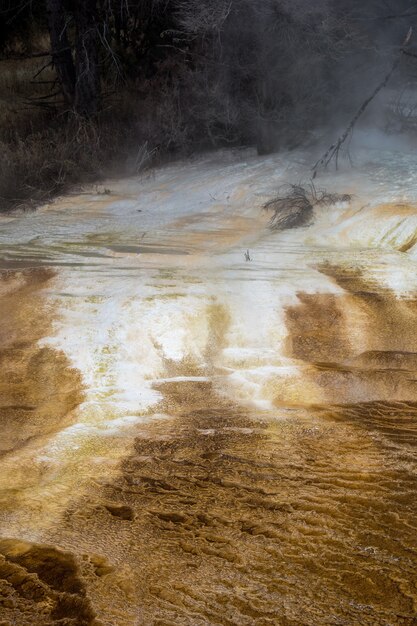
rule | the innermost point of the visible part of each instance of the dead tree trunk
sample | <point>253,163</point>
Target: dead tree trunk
<point>334,150</point>
<point>87,86</point>
<point>60,49</point>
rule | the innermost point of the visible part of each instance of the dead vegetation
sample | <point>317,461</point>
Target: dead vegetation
<point>333,153</point>
<point>294,205</point>
<point>90,90</point>
<point>43,152</point>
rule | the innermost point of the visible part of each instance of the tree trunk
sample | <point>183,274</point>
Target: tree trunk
<point>87,86</point>
<point>60,49</point>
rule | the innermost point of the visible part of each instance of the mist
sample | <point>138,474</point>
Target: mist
<point>132,84</point>
<point>208,295</point>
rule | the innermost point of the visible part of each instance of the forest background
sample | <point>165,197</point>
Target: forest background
<point>93,88</point>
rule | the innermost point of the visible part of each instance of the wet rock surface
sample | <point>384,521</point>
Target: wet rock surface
<point>306,519</point>
<point>41,585</point>
<point>193,439</point>
<point>240,521</point>
<point>38,387</point>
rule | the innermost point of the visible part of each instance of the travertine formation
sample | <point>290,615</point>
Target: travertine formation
<point>191,438</point>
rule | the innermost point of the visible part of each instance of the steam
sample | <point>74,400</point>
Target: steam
<point>280,74</point>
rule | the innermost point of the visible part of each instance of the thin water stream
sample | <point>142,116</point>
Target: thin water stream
<point>192,438</point>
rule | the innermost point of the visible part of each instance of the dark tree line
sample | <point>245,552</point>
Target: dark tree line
<point>232,71</point>
<point>88,40</point>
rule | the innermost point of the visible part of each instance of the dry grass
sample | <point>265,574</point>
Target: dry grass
<point>294,205</point>
<point>45,150</point>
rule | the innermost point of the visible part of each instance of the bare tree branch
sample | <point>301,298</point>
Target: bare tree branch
<point>334,150</point>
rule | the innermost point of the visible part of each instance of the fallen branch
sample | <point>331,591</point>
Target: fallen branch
<point>293,206</point>
<point>34,55</point>
<point>43,68</point>
<point>47,96</point>
<point>334,150</point>
<point>43,82</point>
<point>25,57</point>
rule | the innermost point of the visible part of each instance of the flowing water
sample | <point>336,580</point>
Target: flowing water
<point>189,437</point>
